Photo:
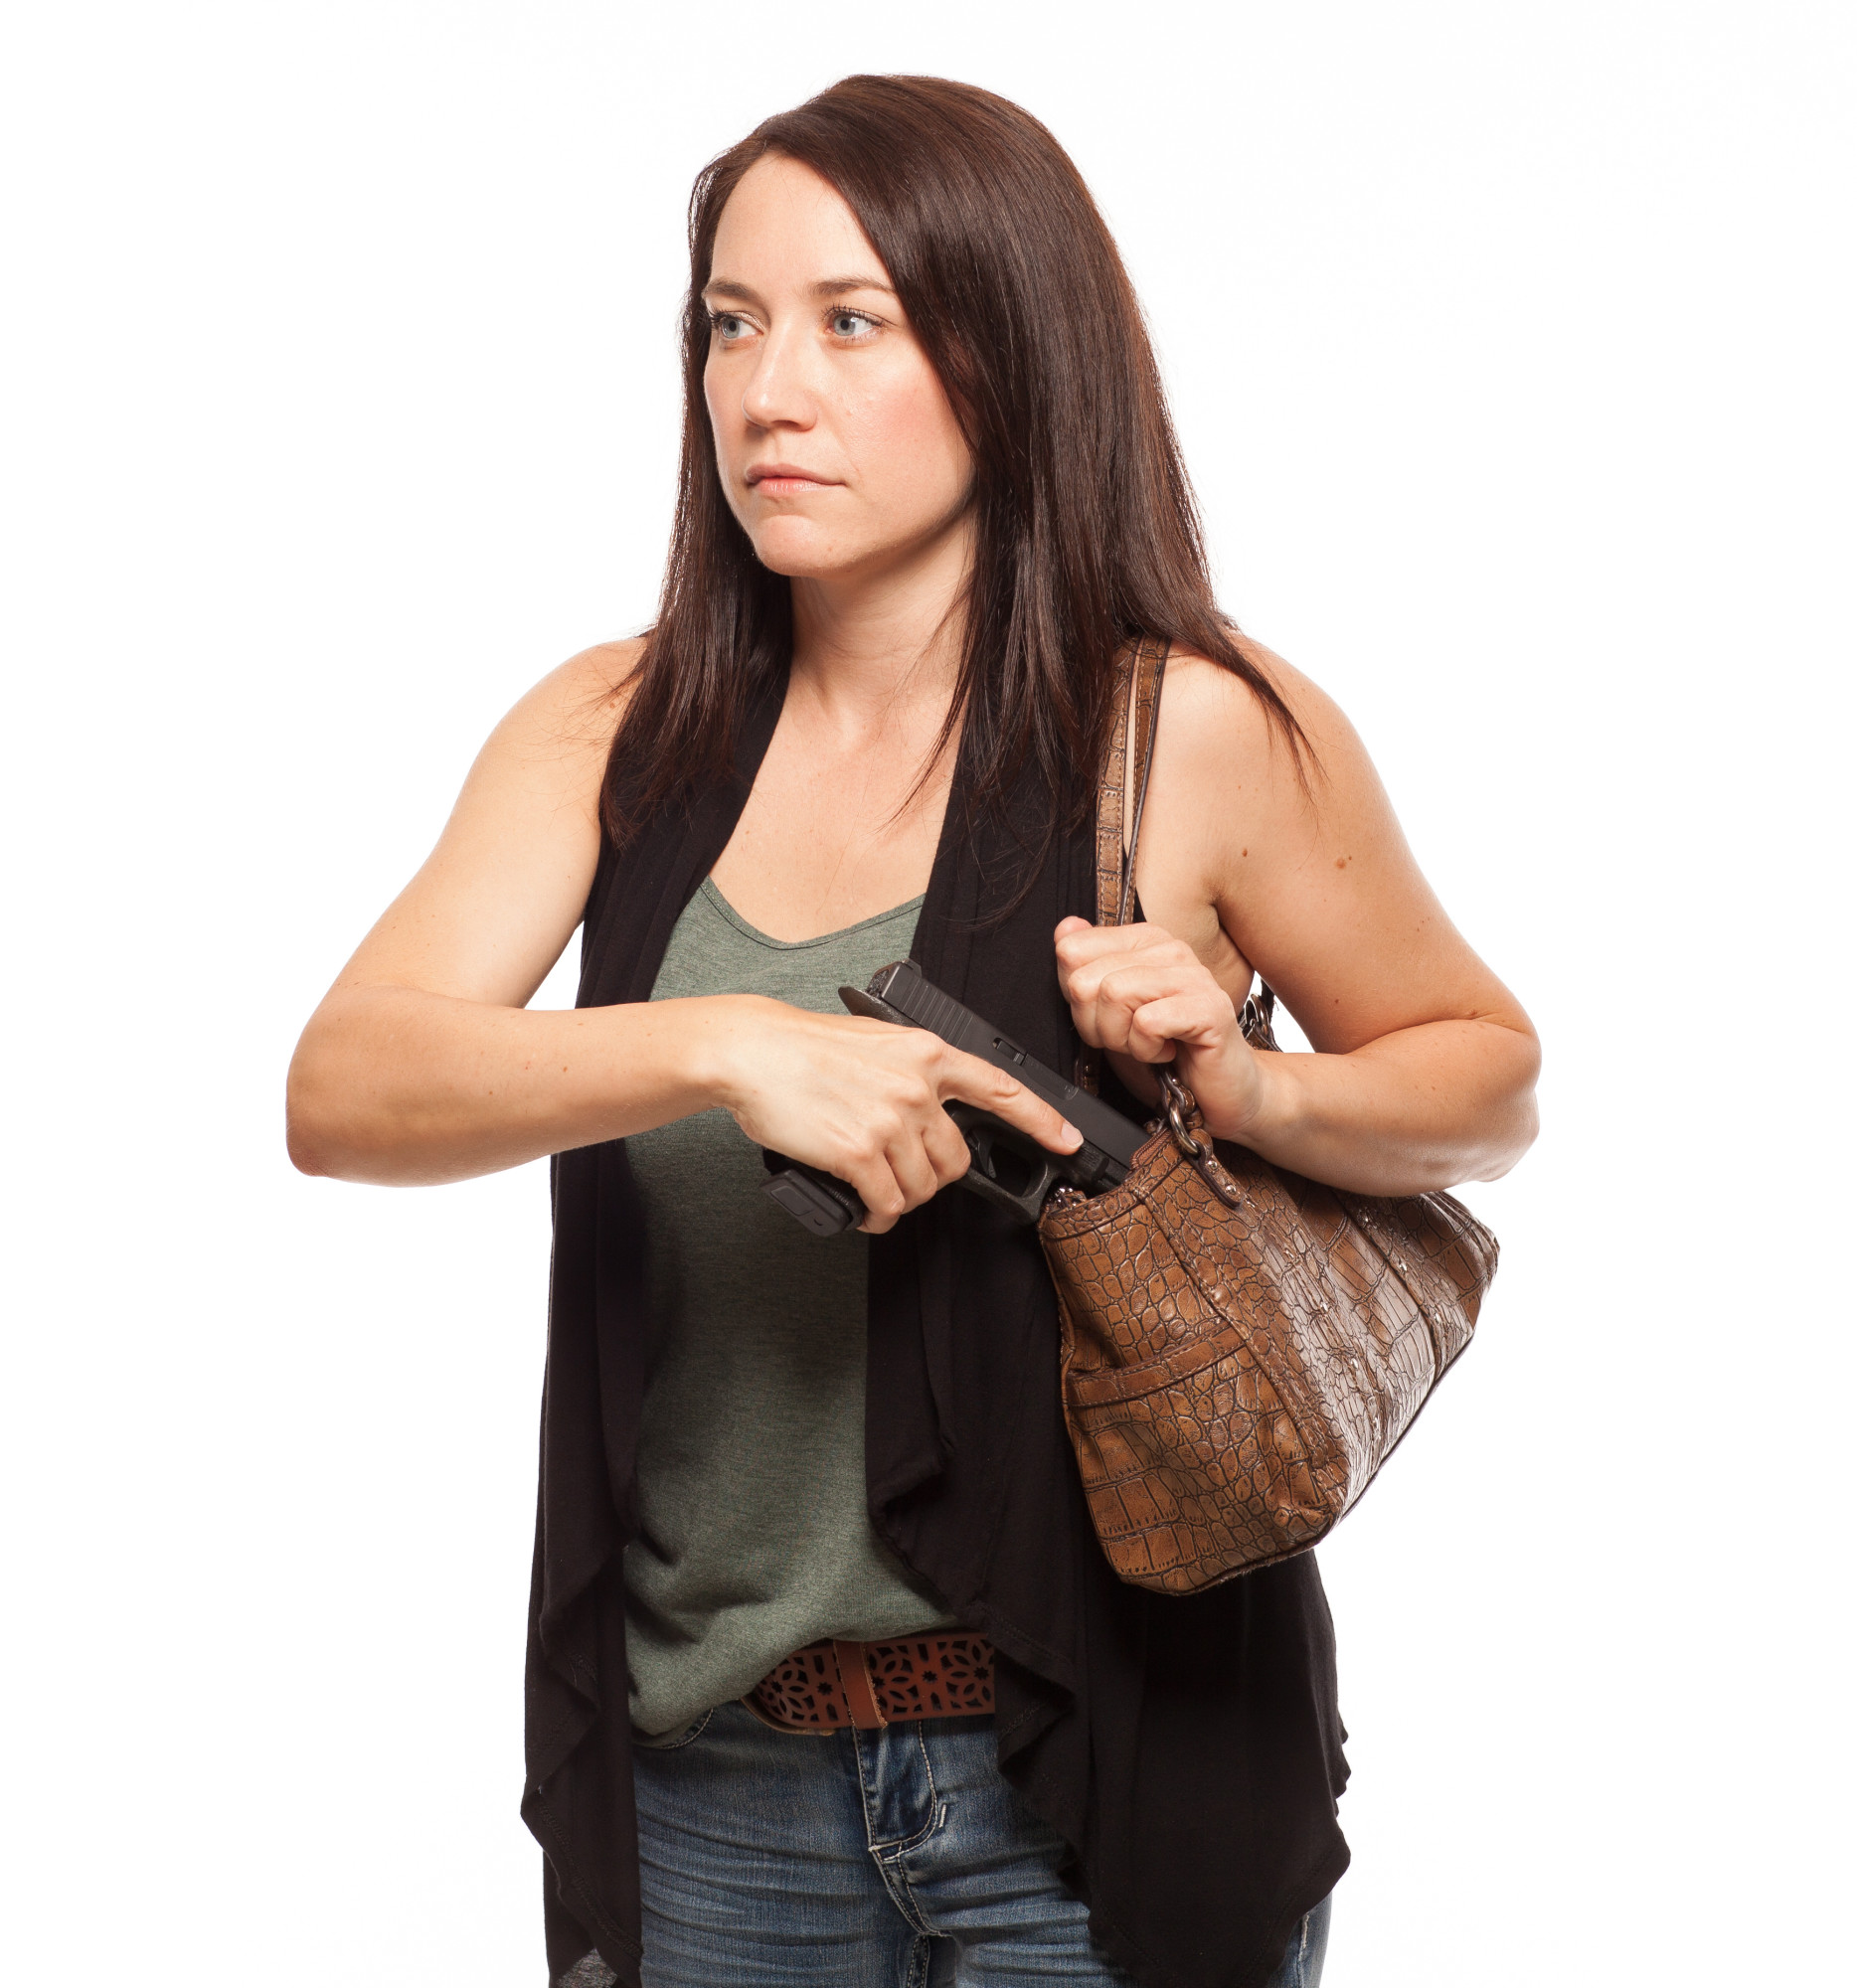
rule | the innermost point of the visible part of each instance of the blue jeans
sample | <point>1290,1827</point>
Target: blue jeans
<point>893,1859</point>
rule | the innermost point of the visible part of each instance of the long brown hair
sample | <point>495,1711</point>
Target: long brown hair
<point>1087,532</point>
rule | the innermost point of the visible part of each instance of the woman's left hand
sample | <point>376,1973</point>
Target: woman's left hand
<point>1140,991</point>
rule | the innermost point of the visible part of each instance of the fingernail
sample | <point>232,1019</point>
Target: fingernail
<point>1072,1133</point>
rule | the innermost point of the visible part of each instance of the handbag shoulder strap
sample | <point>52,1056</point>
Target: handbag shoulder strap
<point>1121,797</point>
<point>1122,787</point>
<point>1121,792</point>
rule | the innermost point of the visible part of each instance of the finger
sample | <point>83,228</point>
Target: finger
<point>1156,1027</point>
<point>975,1082</point>
<point>1164,966</point>
<point>866,1165</point>
<point>1082,989</point>
<point>912,1176</point>
<point>1167,973</point>
<point>913,1171</point>
<point>1161,957</point>
<point>1152,977</point>
<point>1081,932</point>
<point>885,1203</point>
<point>948,1150</point>
<point>1078,944</point>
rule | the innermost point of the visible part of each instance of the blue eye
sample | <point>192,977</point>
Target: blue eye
<point>852,324</point>
<point>726,325</point>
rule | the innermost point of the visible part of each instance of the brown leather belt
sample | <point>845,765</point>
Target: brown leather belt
<point>832,1683</point>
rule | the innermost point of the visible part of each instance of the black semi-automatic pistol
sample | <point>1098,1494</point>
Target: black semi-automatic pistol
<point>1009,1168</point>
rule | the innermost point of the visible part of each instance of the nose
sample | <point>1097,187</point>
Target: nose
<point>777,393</point>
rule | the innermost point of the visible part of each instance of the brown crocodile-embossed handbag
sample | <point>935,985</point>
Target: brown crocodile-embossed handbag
<point>1241,1348</point>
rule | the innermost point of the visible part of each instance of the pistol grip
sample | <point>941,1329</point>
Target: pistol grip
<point>817,1199</point>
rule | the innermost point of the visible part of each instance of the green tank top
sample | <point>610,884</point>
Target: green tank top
<point>753,1534</point>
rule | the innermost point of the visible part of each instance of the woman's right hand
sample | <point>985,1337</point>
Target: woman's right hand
<point>862,1099</point>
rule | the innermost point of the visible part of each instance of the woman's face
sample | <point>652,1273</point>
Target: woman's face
<point>834,437</point>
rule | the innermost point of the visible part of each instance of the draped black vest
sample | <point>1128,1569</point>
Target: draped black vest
<point>1188,1750</point>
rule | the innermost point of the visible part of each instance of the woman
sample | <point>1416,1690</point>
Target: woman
<point>830,1681</point>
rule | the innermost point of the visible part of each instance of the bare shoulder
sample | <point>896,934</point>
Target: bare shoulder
<point>1214,725</point>
<point>492,907</point>
<point>1301,862</point>
<point>568,720</point>
<point>531,802</point>
<point>1237,791</point>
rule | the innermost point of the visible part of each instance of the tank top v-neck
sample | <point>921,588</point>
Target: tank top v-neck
<point>754,1536</point>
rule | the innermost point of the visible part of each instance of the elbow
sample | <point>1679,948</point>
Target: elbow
<point>1521,1126</point>
<point>307,1153</point>
<point>1529,1130</point>
<point>349,1112</point>
<point>322,1130</point>
<point>306,1135</point>
<point>1521,1135</point>
<point>336,1128</point>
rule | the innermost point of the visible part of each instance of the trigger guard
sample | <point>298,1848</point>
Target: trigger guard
<point>981,1129</point>
<point>1024,1209</point>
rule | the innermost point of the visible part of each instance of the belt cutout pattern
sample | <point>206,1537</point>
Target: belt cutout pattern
<point>833,1683</point>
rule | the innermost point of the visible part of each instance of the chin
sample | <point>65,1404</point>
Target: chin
<point>796,549</point>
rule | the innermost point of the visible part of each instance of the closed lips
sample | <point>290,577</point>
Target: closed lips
<point>783,472</point>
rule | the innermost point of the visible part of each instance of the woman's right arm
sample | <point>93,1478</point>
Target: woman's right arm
<point>422,1064</point>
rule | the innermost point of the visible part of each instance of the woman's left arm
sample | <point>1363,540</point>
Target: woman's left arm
<point>1423,1067</point>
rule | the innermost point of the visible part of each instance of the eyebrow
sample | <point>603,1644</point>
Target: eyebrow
<point>826,286</point>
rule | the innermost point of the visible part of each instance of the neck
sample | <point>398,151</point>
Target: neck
<point>866,643</point>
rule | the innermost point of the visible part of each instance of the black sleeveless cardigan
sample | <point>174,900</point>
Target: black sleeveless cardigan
<point>1188,1750</point>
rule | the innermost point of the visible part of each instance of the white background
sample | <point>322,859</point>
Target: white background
<point>1511,349</point>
